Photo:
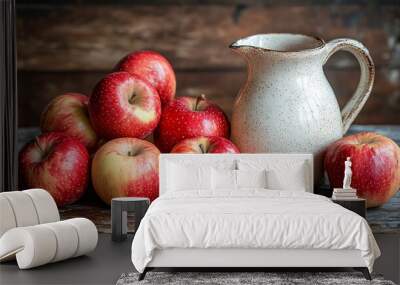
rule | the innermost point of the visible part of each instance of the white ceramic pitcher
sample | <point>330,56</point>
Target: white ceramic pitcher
<point>287,104</point>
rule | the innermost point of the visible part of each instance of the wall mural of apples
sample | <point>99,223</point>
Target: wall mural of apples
<point>133,101</point>
<point>137,99</point>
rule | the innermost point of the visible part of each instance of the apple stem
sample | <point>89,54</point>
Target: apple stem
<point>202,148</point>
<point>38,145</point>
<point>131,99</point>
<point>198,99</point>
<point>132,153</point>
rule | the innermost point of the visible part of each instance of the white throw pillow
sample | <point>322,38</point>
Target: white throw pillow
<point>182,177</point>
<point>251,178</point>
<point>223,179</point>
<point>281,174</point>
<point>293,181</point>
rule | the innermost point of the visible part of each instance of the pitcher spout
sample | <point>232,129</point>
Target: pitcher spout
<point>241,48</point>
<point>279,44</point>
<point>235,45</point>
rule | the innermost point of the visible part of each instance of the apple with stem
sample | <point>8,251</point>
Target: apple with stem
<point>126,167</point>
<point>124,105</point>
<point>189,117</point>
<point>155,69</point>
<point>57,163</point>
<point>205,145</point>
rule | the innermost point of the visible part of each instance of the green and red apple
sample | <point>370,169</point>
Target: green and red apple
<point>68,114</point>
<point>126,167</point>
<point>124,105</point>
<point>375,165</point>
<point>58,164</point>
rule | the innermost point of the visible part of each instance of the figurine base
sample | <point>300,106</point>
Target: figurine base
<point>344,194</point>
<point>344,190</point>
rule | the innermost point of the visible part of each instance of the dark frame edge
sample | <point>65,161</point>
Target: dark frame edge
<point>8,97</point>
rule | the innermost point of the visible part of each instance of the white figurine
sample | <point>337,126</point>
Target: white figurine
<point>347,174</point>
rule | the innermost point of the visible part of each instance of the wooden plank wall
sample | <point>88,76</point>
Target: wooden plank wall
<point>69,45</point>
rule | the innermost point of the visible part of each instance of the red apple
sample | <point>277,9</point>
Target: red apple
<point>57,163</point>
<point>126,167</point>
<point>205,145</point>
<point>155,69</point>
<point>68,113</point>
<point>189,117</point>
<point>375,165</point>
<point>123,105</point>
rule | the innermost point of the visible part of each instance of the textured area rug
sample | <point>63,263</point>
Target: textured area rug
<point>233,278</point>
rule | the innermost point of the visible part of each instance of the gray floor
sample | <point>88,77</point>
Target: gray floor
<point>111,259</point>
<point>103,266</point>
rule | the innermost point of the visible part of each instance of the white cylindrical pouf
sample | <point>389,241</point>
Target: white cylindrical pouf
<point>87,234</point>
<point>23,208</point>
<point>7,218</point>
<point>67,240</point>
<point>45,205</point>
<point>40,244</point>
<point>33,246</point>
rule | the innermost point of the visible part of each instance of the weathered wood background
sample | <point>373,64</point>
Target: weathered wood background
<point>69,45</point>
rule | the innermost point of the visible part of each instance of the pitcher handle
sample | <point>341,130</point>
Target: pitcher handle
<point>360,96</point>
